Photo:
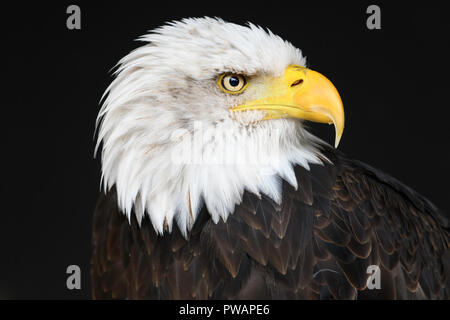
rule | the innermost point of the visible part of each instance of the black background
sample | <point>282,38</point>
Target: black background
<point>393,82</point>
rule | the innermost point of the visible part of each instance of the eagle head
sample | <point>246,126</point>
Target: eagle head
<point>204,111</point>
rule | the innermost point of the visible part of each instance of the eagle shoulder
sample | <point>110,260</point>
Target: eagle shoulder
<point>318,243</point>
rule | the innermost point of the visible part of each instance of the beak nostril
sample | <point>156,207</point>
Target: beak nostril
<point>297,82</point>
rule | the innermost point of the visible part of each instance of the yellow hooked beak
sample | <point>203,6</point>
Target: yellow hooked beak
<point>301,93</point>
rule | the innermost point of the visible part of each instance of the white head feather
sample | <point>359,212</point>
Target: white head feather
<point>165,94</point>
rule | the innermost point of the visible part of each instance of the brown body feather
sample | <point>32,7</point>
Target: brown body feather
<point>317,244</point>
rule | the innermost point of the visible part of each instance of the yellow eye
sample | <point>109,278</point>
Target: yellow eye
<point>232,83</point>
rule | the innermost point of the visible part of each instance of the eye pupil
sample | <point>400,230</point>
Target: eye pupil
<point>234,81</point>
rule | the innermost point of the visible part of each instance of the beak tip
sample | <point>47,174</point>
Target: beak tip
<point>337,139</point>
<point>336,143</point>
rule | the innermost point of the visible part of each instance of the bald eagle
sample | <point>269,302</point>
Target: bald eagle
<point>215,189</point>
